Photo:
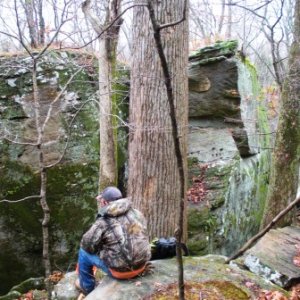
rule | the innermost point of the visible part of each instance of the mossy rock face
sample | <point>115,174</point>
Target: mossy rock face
<point>71,186</point>
<point>213,81</point>
<point>219,50</point>
<point>17,113</point>
<point>70,194</point>
<point>11,296</point>
<point>207,273</point>
<point>30,284</point>
<point>73,183</point>
<point>204,219</point>
<point>244,205</point>
<point>210,290</point>
<point>224,96</point>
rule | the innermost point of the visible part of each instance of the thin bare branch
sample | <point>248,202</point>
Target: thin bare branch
<point>108,26</point>
<point>68,137</point>
<point>19,143</point>
<point>10,35</point>
<point>19,31</point>
<point>263,5</point>
<point>176,22</point>
<point>93,19</point>
<point>64,12</point>
<point>21,200</point>
<point>58,97</point>
<point>248,9</point>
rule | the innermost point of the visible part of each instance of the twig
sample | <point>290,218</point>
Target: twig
<point>58,97</point>
<point>68,137</point>
<point>19,143</point>
<point>176,22</point>
<point>107,27</point>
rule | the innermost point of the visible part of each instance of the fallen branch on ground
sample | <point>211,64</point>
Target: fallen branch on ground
<point>264,231</point>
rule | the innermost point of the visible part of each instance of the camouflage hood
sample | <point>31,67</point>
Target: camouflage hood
<point>115,208</point>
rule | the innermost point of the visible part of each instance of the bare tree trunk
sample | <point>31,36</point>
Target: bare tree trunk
<point>221,21</point>
<point>107,170</point>
<point>275,58</point>
<point>41,23</point>
<point>29,11</point>
<point>285,161</point>
<point>154,181</point>
<point>229,21</point>
<point>107,68</point>
<point>55,11</point>
<point>157,28</point>
<point>40,125</point>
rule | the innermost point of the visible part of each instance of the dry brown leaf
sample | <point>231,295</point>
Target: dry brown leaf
<point>27,296</point>
<point>295,292</point>
<point>271,295</point>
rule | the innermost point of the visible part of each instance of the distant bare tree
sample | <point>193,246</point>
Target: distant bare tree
<point>35,21</point>
<point>262,28</point>
<point>210,21</point>
<point>268,17</point>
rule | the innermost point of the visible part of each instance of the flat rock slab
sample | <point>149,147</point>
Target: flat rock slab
<point>196,269</point>
<point>272,256</point>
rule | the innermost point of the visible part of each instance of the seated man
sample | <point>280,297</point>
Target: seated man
<point>117,242</point>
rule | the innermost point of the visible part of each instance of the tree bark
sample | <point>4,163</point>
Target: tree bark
<point>285,161</point>
<point>154,181</point>
<point>157,28</point>
<point>107,168</point>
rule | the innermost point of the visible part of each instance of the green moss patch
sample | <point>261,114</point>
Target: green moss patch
<point>209,290</point>
<point>215,51</point>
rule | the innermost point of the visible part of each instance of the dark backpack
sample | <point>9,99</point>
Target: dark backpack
<point>166,248</point>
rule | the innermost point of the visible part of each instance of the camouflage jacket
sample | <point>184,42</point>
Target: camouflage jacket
<point>119,236</point>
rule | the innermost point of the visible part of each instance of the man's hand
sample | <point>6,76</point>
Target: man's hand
<point>149,269</point>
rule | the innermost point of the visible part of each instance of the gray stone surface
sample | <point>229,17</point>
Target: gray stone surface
<point>198,269</point>
<point>272,257</point>
<point>214,90</point>
<point>210,141</point>
<point>65,289</point>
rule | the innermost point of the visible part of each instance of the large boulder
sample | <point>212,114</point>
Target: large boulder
<point>228,163</point>
<point>71,132</point>
<point>214,276</point>
<point>273,255</point>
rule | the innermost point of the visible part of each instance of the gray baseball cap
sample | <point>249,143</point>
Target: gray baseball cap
<point>111,193</point>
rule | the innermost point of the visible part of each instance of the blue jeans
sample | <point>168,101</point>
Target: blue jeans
<point>86,261</point>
